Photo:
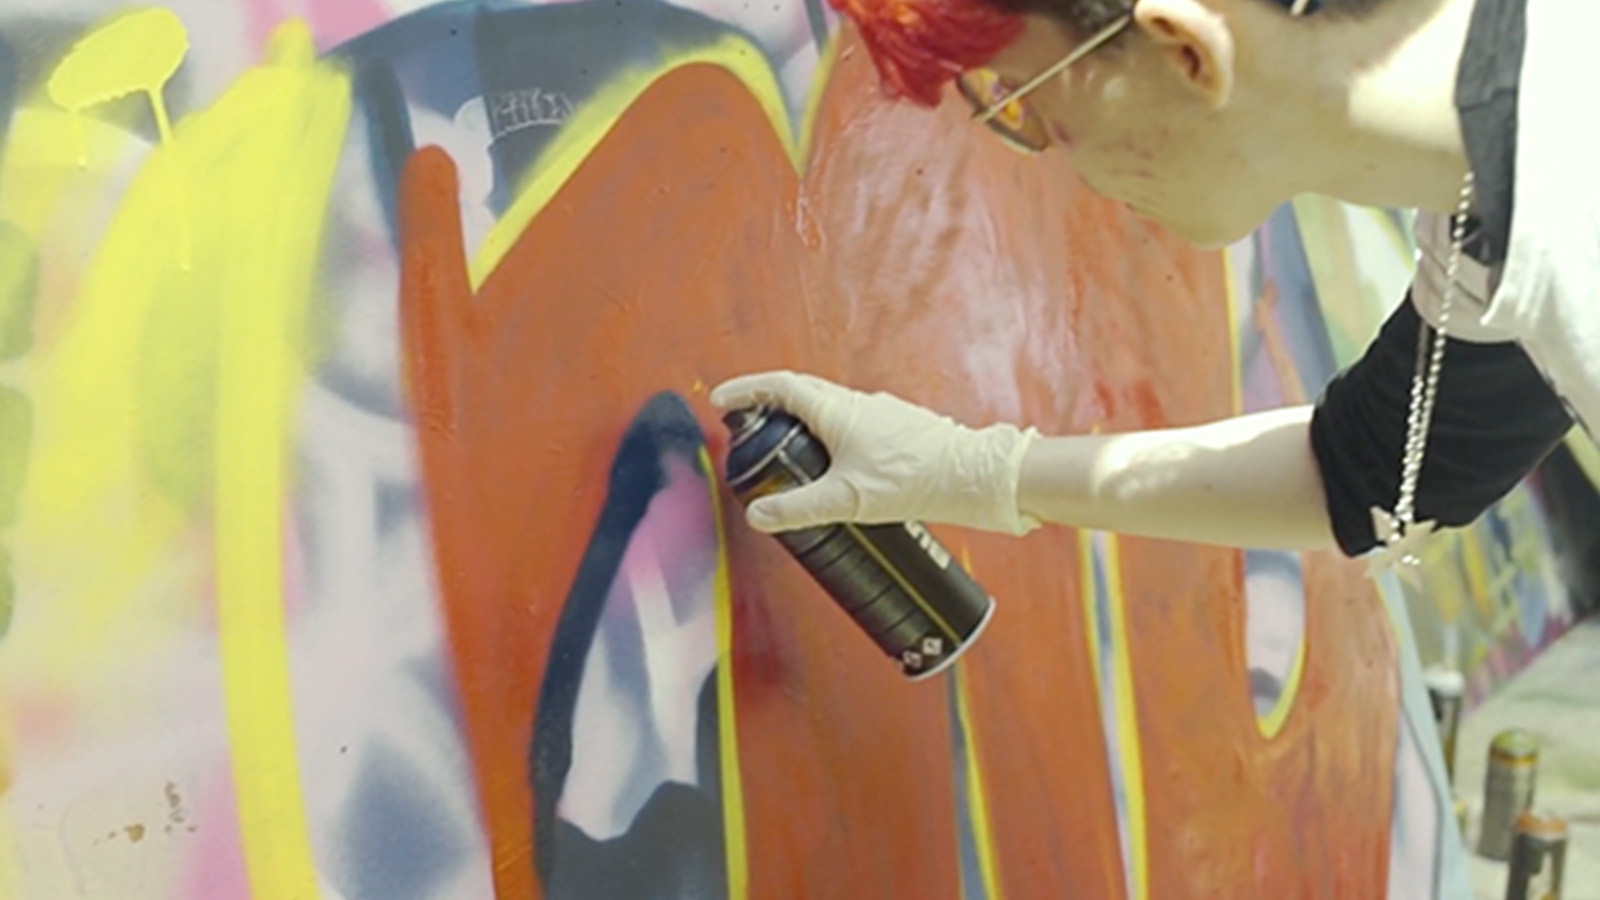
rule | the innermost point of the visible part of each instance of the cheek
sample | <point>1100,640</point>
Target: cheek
<point>1126,125</point>
<point>1121,161</point>
<point>1122,156</point>
<point>1148,150</point>
<point>1104,139</point>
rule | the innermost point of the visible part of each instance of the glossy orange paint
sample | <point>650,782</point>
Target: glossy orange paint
<point>1305,815</point>
<point>913,254</point>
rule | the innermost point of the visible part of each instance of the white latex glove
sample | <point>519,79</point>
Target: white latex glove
<point>893,461</point>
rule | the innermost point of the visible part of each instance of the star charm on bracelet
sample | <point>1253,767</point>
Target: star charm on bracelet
<point>1401,544</point>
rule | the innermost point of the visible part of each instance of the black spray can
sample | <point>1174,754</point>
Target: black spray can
<point>1508,790</point>
<point>896,581</point>
<point>1446,688</point>
<point>1538,858</point>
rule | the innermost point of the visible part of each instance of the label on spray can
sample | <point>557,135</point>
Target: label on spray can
<point>896,581</point>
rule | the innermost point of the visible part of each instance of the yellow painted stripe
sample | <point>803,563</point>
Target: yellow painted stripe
<point>977,794</point>
<point>89,479</point>
<point>1128,722</point>
<point>1271,725</point>
<point>733,827</point>
<point>1475,561</point>
<point>800,154</point>
<point>288,122</point>
<point>599,113</point>
<point>265,154</point>
<point>1235,363</point>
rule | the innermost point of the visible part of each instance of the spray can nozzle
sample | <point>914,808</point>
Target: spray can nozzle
<point>741,423</point>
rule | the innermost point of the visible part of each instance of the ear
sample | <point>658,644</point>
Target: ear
<point>1195,40</point>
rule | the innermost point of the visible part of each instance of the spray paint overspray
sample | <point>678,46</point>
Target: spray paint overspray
<point>635,685</point>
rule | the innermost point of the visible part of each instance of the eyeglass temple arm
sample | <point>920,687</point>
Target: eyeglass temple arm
<point>1296,8</point>
<point>1100,37</point>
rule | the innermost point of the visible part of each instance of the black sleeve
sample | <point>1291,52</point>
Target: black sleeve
<point>1494,420</point>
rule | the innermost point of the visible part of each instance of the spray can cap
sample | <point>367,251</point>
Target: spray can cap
<point>742,423</point>
<point>1444,681</point>
<point>1542,825</point>
<point>1514,746</point>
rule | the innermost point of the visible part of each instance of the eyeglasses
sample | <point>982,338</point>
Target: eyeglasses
<point>1005,109</point>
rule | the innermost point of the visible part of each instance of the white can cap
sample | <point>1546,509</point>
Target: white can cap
<point>1447,682</point>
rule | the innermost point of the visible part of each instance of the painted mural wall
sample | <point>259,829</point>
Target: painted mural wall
<point>1311,289</point>
<point>359,528</point>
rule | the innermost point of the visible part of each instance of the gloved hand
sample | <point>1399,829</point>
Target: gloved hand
<point>892,461</point>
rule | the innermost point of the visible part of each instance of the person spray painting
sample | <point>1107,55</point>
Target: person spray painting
<point>1206,115</point>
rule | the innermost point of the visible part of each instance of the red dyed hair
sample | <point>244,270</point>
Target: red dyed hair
<point>919,46</point>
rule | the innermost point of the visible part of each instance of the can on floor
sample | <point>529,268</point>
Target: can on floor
<point>1446,687</point>
<point>1508,788</point>
<point>1538,858</point>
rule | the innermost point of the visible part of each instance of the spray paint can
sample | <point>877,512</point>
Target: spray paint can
<point>1446,687</point>
<point>1538,858</point>
<point>1507,790</point>
<point>896,581</point>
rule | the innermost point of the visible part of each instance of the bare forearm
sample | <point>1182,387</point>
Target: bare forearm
<point>1250,481</point>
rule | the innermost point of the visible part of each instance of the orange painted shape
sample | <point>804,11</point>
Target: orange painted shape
<point>522,390</point>
<point>1228,808</point>
<point>914,254</point>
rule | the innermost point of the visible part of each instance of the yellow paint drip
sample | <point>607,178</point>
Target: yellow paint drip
<point>139,51</point>
<point>733,827</point>
<point>97,511</point>
<point>134,53</point>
